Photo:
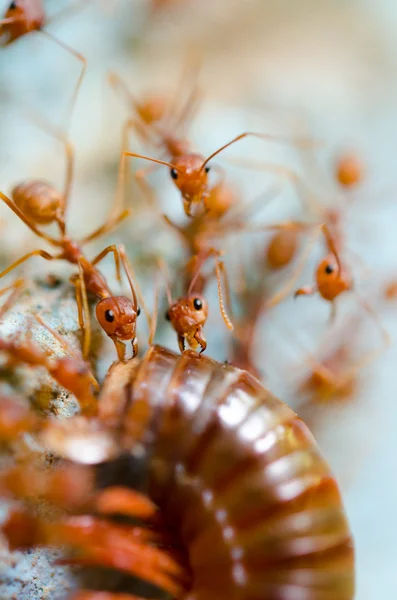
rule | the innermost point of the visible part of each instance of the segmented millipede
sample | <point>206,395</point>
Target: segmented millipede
<point>238,476</point>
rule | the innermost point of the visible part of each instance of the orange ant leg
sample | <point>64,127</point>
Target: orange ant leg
<point>28,222</point>
<point>83,62</point>
<point>69,154</point>
<point>83,311</point>
<point>21,260</point>
<point>122,500</point>
<point>287,289</point>
<point>132,280</point>
<point>11,299</point>
<point>106,228</point>
<point>146,188</point>
<point>220,271</point>
<point>116,256</point>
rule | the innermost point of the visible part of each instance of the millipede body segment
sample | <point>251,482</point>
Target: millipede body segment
<point>237,475</point>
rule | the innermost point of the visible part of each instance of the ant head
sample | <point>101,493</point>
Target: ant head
<point>188,314</point>
<point>331,281</point>
<point>190,177</point>
<point>117,317</point>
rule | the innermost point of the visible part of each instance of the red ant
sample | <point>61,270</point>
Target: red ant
<point>70,371</point>
<point>189,313</point>
<point>156,114</point>
<point>189,171</point>
<point>116,314</point>
<point>26,16</point>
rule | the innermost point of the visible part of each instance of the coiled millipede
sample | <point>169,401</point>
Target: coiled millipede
<point>237,477</point>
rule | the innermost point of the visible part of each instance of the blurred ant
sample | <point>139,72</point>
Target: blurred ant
<point>189,170</point>
<point>70,371</point>
<point>349,171</point>
<point>189,313</point>
<point>26,16</point>
<point>38,203</point>
<point>154,116</point>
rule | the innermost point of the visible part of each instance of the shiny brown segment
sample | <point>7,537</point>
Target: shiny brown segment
<point>238,474</point>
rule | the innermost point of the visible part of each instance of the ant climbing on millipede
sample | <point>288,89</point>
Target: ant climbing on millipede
<point>189,313</point>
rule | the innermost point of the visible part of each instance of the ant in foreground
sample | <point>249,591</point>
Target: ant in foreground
<point>37,202</point>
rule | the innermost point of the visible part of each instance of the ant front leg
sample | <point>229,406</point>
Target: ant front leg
<point>24,258</point>
<point>83,311</point>
<point>106,228</point>
<point>145,187</point>
<point>116,256</point>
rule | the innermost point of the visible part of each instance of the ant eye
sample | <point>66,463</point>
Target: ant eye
<point>329,269</point>
<point>207,169</point>
<point>109,316</point>
<point>138,312</point>
<point>198,305</point>
<point>174,174</point>
<point>167,316</point>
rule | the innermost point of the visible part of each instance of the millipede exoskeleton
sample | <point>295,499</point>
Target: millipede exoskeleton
<point>249,508</point>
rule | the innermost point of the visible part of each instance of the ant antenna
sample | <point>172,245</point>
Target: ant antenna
<point>154,160</point>
<point>220,268</point>
<point>132,280</point>
<point>300,141</point>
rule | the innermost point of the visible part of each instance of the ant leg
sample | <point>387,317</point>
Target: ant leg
<point>119,195</point>
<point>153,325</point>
<point>219,269</point>
<point>132,280</point>
<point>226,286</point>
<point>180,230</point>
<point>21,260</point>
<point>88,595</point>
<point>28,222</point>
<point>83,311</point>
<point>68,349</point>
<point>104,253</point>
<point>286,290</point>
<point>145,187</point>
<point>106,228</point>
<point>306,197</point>
<point>83,62</point>
<point>69,154</point>
<point>11,299</point>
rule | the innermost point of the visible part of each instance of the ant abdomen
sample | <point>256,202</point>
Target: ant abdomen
<point>39,201</point>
